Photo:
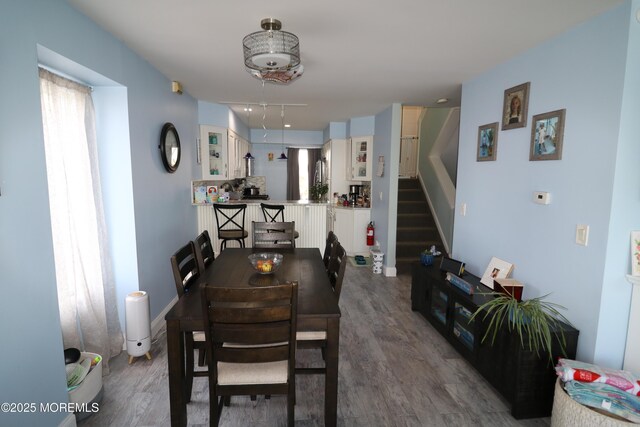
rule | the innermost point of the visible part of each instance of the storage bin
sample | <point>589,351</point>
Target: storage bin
<point>90,389</point>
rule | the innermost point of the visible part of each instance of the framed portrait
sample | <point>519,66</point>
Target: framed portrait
<point>547,131</point>
<point>497,269</point>
<point>516,104</point>
<point>487,142</point>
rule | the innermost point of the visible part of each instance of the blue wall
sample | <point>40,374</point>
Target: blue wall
<point>32,368</point>
<point>386,143</point>
<point>595,183</point>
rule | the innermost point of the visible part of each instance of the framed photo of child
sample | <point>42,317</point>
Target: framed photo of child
<point>487,142</point>
<point>547,131</point>
<point>516,104</point>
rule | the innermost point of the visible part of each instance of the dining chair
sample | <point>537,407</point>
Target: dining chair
<point>329,247</point>
<point>307,339</point>
<point>274,213</point>
<point>186,272</point>
<point>230,223</point>
<point>265,236</point>
<point>261,324</point>
<point>204,250</point>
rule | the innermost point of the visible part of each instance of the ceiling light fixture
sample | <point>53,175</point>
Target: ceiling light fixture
<point>442,101</point>
<point>282,155</point>
<point>271,49</point>
<point>272,55</point>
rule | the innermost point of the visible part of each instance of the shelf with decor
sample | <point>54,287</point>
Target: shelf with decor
<point>525,378</point>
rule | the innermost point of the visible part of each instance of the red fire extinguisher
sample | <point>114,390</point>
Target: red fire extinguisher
<point>370,234</point>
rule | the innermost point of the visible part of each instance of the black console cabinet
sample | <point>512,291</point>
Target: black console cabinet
<point>526,380</point>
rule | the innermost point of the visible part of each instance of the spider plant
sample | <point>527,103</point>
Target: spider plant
<point>536,321</point>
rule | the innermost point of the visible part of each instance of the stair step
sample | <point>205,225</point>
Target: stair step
<point>410,194</point>
<point>404,234</point>
<point>408,183</point>
<point>413,206</point>
<point>415,220</point>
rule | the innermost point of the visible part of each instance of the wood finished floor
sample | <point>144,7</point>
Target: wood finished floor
<point>395,370</point>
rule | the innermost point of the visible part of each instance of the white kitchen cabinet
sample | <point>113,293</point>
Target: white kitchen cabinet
<point>359,152</point>
<point>214,152</point>
<point>350,225</point>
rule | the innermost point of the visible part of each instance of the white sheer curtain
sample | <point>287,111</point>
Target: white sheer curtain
<point>86,289</point>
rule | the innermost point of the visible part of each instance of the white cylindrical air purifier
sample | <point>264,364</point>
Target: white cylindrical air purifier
<point>138,325</point>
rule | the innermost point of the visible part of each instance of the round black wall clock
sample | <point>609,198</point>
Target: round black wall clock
<point>170,147</point>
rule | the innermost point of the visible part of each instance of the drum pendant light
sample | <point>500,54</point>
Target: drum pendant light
<point>271,49</point>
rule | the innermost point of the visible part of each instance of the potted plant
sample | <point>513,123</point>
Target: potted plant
<point>318,191</point>
<point>536,321</point>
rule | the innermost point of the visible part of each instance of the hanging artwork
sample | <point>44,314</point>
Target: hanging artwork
<point>487,142</point>
<point>516,102</point>
<point>547,132</point>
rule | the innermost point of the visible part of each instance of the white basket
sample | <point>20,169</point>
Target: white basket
<point>91,385</point>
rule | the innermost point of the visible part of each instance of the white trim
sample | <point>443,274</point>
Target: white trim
<point>435,217</point>
<point>389,271</point>
<point>158,322</point>
<point>69,421</point>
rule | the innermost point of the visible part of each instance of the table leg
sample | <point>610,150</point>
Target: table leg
<point>331,378</point>
<point>175,356</point>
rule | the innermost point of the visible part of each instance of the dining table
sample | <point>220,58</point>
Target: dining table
<point>317,311</point>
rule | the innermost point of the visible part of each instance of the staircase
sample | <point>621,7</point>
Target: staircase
<point>416,227</point>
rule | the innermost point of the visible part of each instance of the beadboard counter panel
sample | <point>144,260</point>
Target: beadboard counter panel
<point>310,219</point>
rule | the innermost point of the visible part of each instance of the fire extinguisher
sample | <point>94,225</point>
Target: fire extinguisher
<point>370,234</point>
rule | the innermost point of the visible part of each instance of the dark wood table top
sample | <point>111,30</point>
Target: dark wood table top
<point>316,298</point>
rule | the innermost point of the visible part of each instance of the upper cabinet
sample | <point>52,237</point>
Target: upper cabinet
<point>359,151</point>
<point>213,152</point>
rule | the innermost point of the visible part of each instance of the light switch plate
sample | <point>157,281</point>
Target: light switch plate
<point>582,234</point>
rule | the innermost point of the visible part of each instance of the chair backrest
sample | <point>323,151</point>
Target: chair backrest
<point>329,247</point>
<point>274,234</point>
<point>272,213</point>
<point>337,266</point>
<point>230,216</point>
<point>186,271</point>
<point>204,250</point>
<point>259,321</point>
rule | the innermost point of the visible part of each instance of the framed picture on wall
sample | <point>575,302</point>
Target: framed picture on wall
<point>516,104</point>
<point>487,142</point>
<point>547,131</point>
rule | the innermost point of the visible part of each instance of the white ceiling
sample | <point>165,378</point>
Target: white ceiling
<point>358,56</point>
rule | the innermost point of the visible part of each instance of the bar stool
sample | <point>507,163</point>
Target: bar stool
<point>275,213</point>
<point>230,222</point>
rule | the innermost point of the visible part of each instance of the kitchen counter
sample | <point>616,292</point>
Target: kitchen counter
<point>349,207</point>
<point>310,219</point>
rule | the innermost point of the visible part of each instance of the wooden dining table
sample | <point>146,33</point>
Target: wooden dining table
<point>317,311</point>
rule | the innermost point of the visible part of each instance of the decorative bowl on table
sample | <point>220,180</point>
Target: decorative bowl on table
<point>265,262</point>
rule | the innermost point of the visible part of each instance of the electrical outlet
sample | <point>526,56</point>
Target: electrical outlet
<point>463,209</point>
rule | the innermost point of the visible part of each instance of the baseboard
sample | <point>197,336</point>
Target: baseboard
<point>389,271</point>
<point>69,421</point>
<point>159,322</point>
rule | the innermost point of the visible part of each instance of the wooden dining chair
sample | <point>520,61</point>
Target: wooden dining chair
<point>186,272</point>
<point>265,236</point>
<point>329,248</point>
<point>261,324</point>
<point>274,213</point>
<point>306,339</point>
<point>204,250</point>
<point>230,223</point>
